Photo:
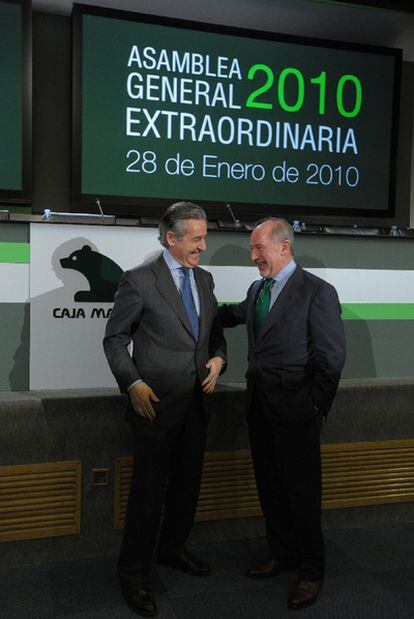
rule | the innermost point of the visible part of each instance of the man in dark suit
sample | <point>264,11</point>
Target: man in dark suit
<point>296,354</point>
<point>167,309</point>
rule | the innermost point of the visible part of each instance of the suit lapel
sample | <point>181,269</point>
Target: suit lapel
<point>285,300</point>
<point>254,293</point>
<point>168,290</point>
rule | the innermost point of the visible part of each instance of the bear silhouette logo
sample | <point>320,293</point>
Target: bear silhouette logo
<point>102,273</point>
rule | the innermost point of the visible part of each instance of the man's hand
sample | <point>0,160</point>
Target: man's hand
<point>214,365</point>
<point>141,396</point>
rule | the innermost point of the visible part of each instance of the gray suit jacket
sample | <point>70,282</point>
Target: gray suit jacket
<point>148,311</point>
<point>295,360</point>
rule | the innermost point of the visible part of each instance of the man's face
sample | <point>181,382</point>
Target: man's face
<point>187,249</point>
<point>269,254</point>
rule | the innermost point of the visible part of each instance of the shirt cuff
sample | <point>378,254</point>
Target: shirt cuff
<point>134,383</point>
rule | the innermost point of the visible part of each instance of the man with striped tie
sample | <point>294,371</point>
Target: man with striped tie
<point>296,354</point>
<point>167,308</point>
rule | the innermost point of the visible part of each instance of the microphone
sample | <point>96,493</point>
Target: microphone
<point>236,221</point>
<point>98,203</point>
<point>84,218</point>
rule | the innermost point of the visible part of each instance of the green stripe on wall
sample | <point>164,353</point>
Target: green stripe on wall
<point>378,311</point>
<point>375,311</point>
<point>15,252</point>
<point>20,210</point>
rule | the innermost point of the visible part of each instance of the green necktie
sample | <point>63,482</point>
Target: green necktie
<point>262,304</point>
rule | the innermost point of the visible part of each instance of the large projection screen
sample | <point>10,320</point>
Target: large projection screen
<point>15,101</point>
<point>166,110</point>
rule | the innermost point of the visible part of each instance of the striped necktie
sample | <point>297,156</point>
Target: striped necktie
<point>188,300</point>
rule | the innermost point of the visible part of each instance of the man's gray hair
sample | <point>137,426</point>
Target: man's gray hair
<point>281,230</point>
<point>174,220</point>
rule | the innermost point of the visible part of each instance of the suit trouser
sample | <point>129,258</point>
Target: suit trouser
<point>287,465</point>
<point>167,471</point>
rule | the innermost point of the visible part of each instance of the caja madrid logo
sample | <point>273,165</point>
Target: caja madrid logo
<point>102,273</point>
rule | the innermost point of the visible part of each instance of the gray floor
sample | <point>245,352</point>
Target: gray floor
<point>370,573</point>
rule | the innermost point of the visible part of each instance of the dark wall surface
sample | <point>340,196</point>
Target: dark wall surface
<point>52,112</point>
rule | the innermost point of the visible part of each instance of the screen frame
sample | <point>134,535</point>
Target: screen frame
<point>24,195</point>
<point>132,207</point>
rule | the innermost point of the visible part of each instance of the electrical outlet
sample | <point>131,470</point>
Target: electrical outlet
<point>100,476</point>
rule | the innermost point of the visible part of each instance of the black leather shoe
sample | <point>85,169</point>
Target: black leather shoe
<point>186,563</point>
<point>304,593</point>
<point>140,599</point>
<point>267,569</point>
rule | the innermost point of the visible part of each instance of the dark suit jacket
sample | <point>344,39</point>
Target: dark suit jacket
<point>296,359</point>
<point>148,311</point>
